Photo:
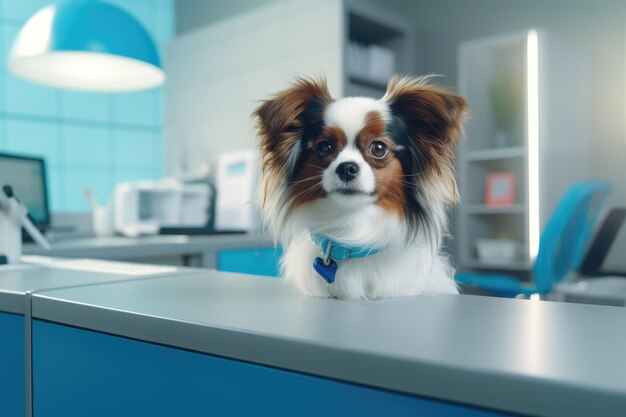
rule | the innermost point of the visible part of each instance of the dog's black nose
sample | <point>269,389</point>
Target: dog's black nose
<point>347,171</point>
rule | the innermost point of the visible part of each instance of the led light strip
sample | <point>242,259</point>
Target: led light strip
<point>532,73</point>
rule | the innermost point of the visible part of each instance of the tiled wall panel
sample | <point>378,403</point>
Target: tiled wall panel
<point>88,139</point>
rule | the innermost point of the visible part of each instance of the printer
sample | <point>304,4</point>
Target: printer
<point>144,207</point>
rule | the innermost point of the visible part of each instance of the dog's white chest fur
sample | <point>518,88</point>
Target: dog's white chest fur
<point>390,273</point>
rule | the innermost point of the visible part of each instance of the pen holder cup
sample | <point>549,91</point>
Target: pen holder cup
<point>102,221</point>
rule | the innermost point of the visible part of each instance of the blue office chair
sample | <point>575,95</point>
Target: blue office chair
<point>561,248</point>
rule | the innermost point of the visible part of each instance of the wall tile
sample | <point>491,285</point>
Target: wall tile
<point>9,32</point>
<point>4,52</point>
<point>85,147</point>
<point>85,106</point>
<point>23,97</point>
<point>134,108</point>
<point>3,135</point>
<point>33,138</point>
<point>2,93</point>
<point>122,175</point>
<point>134,149</point>
<point>2,62</point>
<point>100,181</point>
<point>159,156</point>
<point>21,10</point>
<point>158,105</point>
<point>56,193</point>
<point>166,30</point>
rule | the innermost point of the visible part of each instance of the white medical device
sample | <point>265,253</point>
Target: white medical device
<point>144,207</point>
<point>14,216</point>
<point>237,177</point>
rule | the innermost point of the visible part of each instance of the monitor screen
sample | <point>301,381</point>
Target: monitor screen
<point>605,255</point>
<point>27,177</point>
<point>614,262</point>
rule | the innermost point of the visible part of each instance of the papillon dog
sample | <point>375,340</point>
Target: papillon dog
<point>356,189</point>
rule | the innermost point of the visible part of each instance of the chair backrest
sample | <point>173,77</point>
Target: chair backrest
<point>567,232</point>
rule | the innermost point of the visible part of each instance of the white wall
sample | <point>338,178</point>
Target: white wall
<point>218,74</point>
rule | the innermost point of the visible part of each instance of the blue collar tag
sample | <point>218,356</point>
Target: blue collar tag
<point>333,251</point>
<point>327,272</point>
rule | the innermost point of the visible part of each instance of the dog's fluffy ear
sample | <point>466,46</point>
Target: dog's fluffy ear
<point>432,119</point>
<point>288,117</point>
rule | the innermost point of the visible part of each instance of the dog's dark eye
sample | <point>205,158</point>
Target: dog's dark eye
<point>378,150</point>
<point>324,149</point>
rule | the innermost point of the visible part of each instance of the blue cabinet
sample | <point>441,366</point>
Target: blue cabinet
<point>78,372</point>
<point>259,261</point>
<point>12,384</point>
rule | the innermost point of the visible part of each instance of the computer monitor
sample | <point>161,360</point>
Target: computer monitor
<point>606,252</point>
<point>27,176</point>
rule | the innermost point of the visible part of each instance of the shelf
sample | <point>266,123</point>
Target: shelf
<point>367,82</point>
<point>519,100</point>
<point>482,209</point>
<point>511,266</point>
<point>496,154</point>
<point>366,26</point>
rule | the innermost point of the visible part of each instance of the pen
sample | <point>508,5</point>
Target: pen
<point>90,198</point>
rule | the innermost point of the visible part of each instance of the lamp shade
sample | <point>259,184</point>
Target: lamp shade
<point>86,45</point>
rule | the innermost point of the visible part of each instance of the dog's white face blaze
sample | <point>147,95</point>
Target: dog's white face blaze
<point>364,185</point>
<point>349,115</point>
<point>396,202</point>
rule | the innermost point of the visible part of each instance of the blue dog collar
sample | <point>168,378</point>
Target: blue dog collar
<point>332,251</point>
<point>341,252</point>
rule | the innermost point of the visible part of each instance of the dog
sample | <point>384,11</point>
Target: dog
<point>356,189</point>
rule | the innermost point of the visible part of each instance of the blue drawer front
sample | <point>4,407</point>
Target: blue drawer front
<point>262,261</point>
<point>83,373</point>
<point>11,365</point>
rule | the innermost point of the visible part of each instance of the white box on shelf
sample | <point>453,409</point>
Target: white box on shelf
<point>497,250</point>
<point>381,63</point>
<point>357,62</point>
<point>371,63</point>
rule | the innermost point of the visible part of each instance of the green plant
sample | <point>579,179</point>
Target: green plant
<point>505,93</point>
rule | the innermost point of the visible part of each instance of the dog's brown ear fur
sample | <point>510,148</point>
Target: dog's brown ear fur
<point>433,118</point>
<point>283,119</point>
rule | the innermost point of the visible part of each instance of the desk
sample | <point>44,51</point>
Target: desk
<point>200,251</point>
<point>17,284</point>
<point>231,344</point>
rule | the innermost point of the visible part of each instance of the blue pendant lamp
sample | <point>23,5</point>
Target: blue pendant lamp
<point>86,45</point>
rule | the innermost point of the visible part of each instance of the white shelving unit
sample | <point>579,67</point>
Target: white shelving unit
<point>528,117</point>
<point>476,209</point>
<point>369,24</point>
<point>510,152</point>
